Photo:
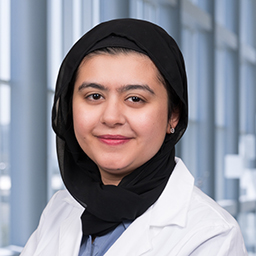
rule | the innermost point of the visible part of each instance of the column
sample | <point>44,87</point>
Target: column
<point>28,117</point>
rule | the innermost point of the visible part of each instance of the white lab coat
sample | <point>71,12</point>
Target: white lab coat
<point>183,221</point>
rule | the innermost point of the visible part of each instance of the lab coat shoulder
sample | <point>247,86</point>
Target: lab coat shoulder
<point>59,221</point>
<point>211,230</point>
<point>206,229</point>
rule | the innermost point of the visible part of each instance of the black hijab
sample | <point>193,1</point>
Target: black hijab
<point>106,206</point>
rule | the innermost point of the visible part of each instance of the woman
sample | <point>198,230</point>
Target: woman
<point>120,107</point>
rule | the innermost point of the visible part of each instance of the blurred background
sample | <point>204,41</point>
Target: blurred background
<point>218,40</point>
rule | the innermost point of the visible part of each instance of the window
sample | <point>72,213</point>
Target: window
<point>5,183</point>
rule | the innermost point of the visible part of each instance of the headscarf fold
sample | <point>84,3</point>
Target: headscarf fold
<point>106,206</point>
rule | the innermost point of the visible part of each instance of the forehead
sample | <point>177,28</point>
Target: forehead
<point>112,52</point>
<point>125,56</point>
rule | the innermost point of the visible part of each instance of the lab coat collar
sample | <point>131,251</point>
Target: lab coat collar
<point>173,204</point>
<point>70,231</point>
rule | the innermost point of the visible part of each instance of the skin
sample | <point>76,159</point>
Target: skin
<point>120,112</point>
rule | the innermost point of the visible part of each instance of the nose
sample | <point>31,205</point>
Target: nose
<point>113,114</point>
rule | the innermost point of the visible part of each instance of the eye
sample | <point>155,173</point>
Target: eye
<point>135,99</point>
<point>94,96</point>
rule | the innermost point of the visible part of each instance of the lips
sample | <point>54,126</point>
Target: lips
<point>113,140</point>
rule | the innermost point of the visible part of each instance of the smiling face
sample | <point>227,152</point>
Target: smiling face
<point>120,112</point>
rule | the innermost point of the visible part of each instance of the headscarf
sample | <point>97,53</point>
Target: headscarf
<point>106,206</point>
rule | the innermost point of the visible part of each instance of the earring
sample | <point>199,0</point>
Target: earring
<point>172,130</point>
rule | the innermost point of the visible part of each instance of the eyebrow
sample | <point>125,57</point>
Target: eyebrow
<point>92,85</point>
<point>128,87</point>
<point>122,89</point>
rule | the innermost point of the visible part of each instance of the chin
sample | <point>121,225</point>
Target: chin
<point>115,169</point>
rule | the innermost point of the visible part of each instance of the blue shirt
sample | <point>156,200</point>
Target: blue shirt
<point>101,244</point>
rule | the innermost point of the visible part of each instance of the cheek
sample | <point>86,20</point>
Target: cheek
<point>151,125</point>
<point>82,120</point>
<point>151,131</point>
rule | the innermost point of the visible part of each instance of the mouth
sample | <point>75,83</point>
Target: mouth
<point>113,140</point>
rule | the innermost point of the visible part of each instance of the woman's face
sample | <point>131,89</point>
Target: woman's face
<point>120,112</point>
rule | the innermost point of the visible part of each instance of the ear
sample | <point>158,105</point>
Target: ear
<point>173,121</point>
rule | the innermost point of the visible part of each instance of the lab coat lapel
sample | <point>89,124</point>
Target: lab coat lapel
<point>71,234</point>
<point>172,206</point>
<point>135,240</point>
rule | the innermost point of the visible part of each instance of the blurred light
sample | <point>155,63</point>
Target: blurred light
<point>56,182</point>
<point>5,182</point>
<point>5,96</point>
<point>2,166</point>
